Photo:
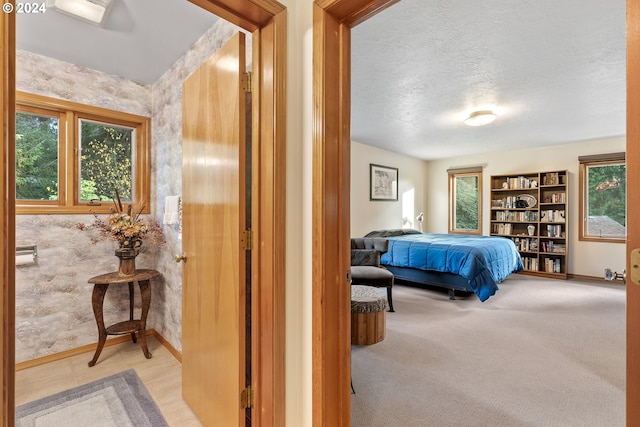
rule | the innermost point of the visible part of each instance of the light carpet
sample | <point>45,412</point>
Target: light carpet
<point>120,400</point>
<point>541,352</point>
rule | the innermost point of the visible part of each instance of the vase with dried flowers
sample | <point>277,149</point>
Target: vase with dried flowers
<point>126,227</point>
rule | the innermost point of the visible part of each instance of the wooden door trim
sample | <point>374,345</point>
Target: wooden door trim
<point>269,222</point>
<point>354,12</point>
<point>267,20</point>
<point>7,229</point>
<point>633,211</point>
<point>248,14</point>
<point>330,312</point>
<point>331,342</point>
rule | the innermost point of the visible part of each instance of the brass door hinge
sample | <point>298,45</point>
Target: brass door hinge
<point>247,84</point>
<point>247,240</point>
<point>246,398</point>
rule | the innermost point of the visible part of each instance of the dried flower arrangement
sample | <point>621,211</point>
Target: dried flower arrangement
<point>124,226</point>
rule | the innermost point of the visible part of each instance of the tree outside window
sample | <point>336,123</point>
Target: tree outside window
<point>465,201</point>
<point>36,156</point>
<point>603,206</point>
<point>71,158</point>
<point>105,161</point>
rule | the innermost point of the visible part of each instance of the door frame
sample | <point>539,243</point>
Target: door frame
<point>633,211</point>
<point>7,227</point>
<point>267,21</point>
<point>331,341</point>
<point>332,21</point>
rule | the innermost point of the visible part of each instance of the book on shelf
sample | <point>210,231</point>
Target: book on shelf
<point>554,198</point>
<point>555,230</point>
<point>530,264</point>
<point>526,244</point>
<point>501,228</point>
<point>517,216</point>
<point>516,183</point>
<point>551,246</point>
<point>552,265</point>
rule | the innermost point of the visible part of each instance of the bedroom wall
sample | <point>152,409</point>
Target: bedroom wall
<point>430,180</point>
<point>367,215</point>
<point>585,258</point>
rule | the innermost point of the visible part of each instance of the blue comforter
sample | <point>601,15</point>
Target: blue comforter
<point>483,261</point>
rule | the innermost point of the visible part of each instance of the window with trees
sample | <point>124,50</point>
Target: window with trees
<point>71,158</point>
<point>603,200</point>
<point>465,200</point>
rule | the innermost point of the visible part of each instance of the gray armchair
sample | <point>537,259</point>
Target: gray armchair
<point>365,264</point>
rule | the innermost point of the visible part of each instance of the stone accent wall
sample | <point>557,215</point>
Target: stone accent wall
<point>53,298</point>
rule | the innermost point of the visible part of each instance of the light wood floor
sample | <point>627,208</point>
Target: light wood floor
<point>161,375</point>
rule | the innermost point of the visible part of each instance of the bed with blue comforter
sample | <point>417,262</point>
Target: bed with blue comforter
<point>473,264</point>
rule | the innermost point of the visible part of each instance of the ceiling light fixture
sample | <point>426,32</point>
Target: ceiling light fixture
<point>91,11</point>
<point>480,118</point>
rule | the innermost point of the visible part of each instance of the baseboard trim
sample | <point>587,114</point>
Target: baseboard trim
<point>171,349</point>
<point>92,347</point>
<point>593,278</point>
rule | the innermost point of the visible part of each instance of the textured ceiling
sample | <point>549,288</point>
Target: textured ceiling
<point>140,40</point>
<point>553,70</point>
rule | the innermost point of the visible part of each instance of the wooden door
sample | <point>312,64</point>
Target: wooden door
<point>213,186</point>
<point>633,212</point>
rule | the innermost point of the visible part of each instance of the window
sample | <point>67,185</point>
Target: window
<point>465,200</point>
<point>70,158</point>
<point>603,201</point>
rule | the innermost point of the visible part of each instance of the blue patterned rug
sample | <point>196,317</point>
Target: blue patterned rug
<point>119,400</point>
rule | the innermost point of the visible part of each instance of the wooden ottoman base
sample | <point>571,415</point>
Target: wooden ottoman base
<point>367,328</point>
<point>368,310</point>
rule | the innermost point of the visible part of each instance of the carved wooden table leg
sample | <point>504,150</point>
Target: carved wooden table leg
<point>131,326</point>
<point>131,304</point>
<point>97,298</point>
<point>145,294</point>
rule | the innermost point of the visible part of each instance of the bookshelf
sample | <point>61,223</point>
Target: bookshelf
<point>531,210</point>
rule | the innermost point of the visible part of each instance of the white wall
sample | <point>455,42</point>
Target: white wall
<point>585,258</point>
<point>299,387</point>
<point>367,215</point>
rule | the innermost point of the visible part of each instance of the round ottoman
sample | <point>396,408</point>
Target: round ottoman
<point>368,309</point>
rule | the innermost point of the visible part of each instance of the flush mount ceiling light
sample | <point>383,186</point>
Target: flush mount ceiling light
<point>91,11</point>
<point>480,118</point>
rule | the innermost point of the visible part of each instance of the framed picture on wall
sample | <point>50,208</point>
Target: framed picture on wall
<point>383,182</point>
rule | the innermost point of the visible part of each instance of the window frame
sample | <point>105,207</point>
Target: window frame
<point>70,114</point>
<point>584,163</point>
<point>452,193</point>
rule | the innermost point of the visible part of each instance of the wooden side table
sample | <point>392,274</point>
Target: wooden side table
<point>100,285</point>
